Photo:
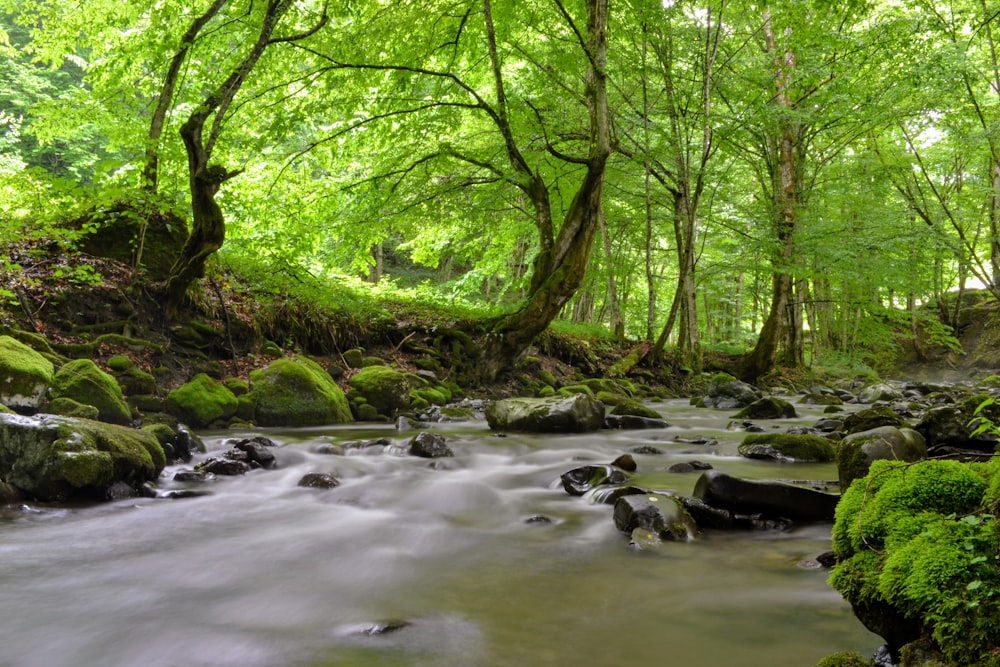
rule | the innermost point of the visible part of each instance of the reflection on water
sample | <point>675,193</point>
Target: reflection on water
<point>408,563</point>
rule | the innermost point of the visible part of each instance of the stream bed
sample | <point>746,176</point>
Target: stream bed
<point>481,560</point>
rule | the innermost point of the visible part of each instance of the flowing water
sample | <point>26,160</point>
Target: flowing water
<point>441,555</point>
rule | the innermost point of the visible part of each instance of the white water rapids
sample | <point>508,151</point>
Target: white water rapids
<point>263,573</point>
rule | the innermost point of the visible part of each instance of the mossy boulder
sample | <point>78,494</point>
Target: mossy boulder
<point>297,392</point>
<point>383,388</point>
<point>917,548</point>
<point>82,381</point>
<point>873,417</point>
<point>857,452</point>
<point>844,659</point>
<point>202,402</point>
<point>726,393</point>
<point>67,407</point>
<point>25,375</point>
<point>50,457</point>
<point>132,379</point>
<point>769,407</point>
<point>557,414</point>
<point>788,447</point>
<point>632,407</point>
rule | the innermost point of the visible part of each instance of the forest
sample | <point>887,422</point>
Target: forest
<point>788,180</point>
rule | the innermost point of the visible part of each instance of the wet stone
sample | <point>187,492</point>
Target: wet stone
<point>229,467</point>
<point>689,466</point>
<point>318,480</point>
<point>580,480</point>
<point>429,446</point>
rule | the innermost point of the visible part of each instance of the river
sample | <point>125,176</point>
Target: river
<point>441,555</point>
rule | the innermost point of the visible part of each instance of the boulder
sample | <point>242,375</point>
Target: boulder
<point>201,402</point>
<point>869,418</point>
<point>952,426</point>
<point>318,480</point>
<point>82,381</point>
<point>660,514</point>
<point>769,407</point>
<point>727,393</point>
<point>297,392</point>
<point>60,458</point>
<point>856,452</point>
<point>257,451</point>
<point>556,414</point>
<point>788,448</point>
<point>768,498</point>
<point>25,375</point>
<point>383,388</point>
<point>880,392</point>
<point>633,408</point>
<point>428,446</point>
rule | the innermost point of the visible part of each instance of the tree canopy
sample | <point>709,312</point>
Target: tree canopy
<point>688,173</point>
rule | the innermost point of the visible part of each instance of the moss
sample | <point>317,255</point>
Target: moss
<point>372,361</point>
<point>201,402</point>
<point>385,389</point>
<point>119,362</point>
<point>354,357</point>
<point>5,410</point>
<point>82,381</point>
<point>769,407</point>
<point>916,541</point>
<point>546,391</point>
<point>67,407</point>
<point>572,389</point>
<point>628,406</point>
<point>429,396</point>
<point>844,659</point>
<point>25,375</point>
<point>795,446</point>
<point>368,413</point>
<point>419,403</point>
<point>238,386</point>
<point>548,377</point>
<point>90,349</point>
<point>297,392</point>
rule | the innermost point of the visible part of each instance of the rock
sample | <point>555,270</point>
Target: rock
<point>257,451</point>
<point>383,388</point>
<point>727,393</point>
<point>625,462</point>
<point>318,480</point>
<point>689,466</point>
<point>59,458</point>
<point>660,514</point>
<point>627,407</point>
<point>580,480</point>
<point>771,499</point>
<point>297,392</point>
<point>787,448</point>
<point>869,418</point>
<point>226,466</point>
<point>202,402</point>
<point>25,375</point>
<point>132,379</point>
<point>67,407</point>
<point>952,426</point>
<point>857,451</point>
<point>428,446</point>
<point>557,414</point>
<point>82,381</point>
<point>178,442</point>
<point>632,422</point>
<point>882,391</point>
<point>769,407</point>
<point>193,476</point>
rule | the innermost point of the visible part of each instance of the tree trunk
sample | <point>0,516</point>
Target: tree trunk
<point>617,323</point>
<point>559,270</point>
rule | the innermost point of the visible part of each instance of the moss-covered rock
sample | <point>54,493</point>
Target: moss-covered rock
<point>917,552</point>
<point>559,414</point>
<point>238,386</point>
<point>856,452</point>
<point>67,407</point>
<point>132,379</point>
<point>631,407</point>
<point>201,402</point>
<point>82,381</point>
<point>790,447</point>
<point>25,375</point>
<point>769,407</point>
<point>51,457</point>
<point>383,388</point>
<point>297,392</point>
<point>873,417</point>
<point>844,659</point>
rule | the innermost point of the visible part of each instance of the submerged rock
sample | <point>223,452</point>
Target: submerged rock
<point>318,480</point>
<point>632,422</point>
<point>660,514</point>
<point>557,414</point>
<point>580,480</point>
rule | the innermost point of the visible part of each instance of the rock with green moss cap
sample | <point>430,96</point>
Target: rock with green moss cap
<point>50,457</point>
<point>25,375</point>
<point>132,379</point>
<point>202,402</point>
<point>297,392</point>
<point>788,447</point>
<point>558,414</point>
<point>82,381</point>
<point>67,407</point>
<point>633,408</point>
<point>857,452</point>
<point>769,407</point>
<point>383,388</point>
<point>844,659</point>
